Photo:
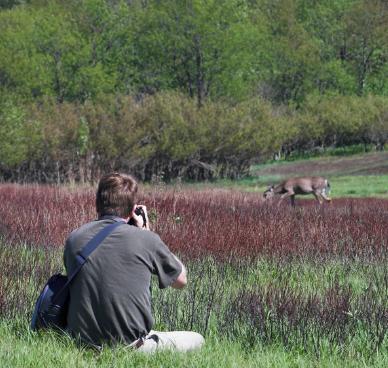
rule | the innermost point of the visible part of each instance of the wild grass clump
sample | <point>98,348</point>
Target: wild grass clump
<point>311,279</point>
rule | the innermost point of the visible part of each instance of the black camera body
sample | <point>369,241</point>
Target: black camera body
<point>138,211</point>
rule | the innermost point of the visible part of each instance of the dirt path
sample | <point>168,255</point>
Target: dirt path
<point>364,164</point>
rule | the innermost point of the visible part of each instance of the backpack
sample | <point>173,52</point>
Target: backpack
<point>49,314</point>
<point>53,302</point>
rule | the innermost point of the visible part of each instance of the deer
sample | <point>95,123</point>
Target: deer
<point>303,185</point>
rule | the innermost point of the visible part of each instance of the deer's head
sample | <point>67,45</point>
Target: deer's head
<point>269,192</point>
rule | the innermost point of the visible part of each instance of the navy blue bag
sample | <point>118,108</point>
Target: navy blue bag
<point>53,302</point>
<point>48,314</point>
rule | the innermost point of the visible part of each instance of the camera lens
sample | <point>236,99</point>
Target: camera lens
<point>138,211</point>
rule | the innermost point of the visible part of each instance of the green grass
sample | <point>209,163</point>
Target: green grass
<point>356,176</point>
<point>307,277</point>
<point>19,347</point>
<point>360,186</point>
<point>300,275</point>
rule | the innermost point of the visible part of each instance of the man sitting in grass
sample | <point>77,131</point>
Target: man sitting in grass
<point>110,298</point>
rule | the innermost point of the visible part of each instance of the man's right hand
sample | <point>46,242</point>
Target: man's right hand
<point>139,222</point>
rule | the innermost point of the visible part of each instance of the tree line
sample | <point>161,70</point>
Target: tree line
<point>195,89</point>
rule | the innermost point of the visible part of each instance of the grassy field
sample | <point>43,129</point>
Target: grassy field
<point>269,286</point>
<point>25,349</point>
<point>356,176</point>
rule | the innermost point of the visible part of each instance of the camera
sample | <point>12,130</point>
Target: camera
<point>138,211</point>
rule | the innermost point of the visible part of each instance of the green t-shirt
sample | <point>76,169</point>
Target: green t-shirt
<point>110,297</point>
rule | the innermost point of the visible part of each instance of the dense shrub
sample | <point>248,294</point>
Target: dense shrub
<point>54,143</point>
<point>339,122</point>
<point>165,132</point>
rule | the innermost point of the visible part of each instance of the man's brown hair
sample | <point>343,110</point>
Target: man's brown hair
<point>116,194</point>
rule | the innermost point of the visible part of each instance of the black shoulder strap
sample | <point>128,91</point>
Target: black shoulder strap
<point>88,249</point>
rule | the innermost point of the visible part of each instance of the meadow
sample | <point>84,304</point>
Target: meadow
<point>351,175</point>
<point>268,285</point>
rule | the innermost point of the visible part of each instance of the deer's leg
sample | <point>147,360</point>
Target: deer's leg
<point>318,197</point>
<point>285,195</point>
<point>293,200</point>
<point>326,197</point>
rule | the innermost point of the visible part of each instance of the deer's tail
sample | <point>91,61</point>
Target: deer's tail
<point>328,185</point>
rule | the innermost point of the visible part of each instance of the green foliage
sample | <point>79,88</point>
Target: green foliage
<point>198,46</point>
<point>9,4</point>
<point>289,59</point>
<point>338,122</point>
<point>83,136</point>
<point>365,39</point>
<point>242,132</point>
<point>284,51</point>
<point>374,122</point>
<point>71,51</point>
<point>13,148</point>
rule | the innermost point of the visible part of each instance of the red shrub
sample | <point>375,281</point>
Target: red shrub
<point>224,224</point>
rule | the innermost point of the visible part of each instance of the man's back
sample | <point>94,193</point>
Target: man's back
<point>110,297</point>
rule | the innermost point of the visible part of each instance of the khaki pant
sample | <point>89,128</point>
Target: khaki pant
<point>174,340</point>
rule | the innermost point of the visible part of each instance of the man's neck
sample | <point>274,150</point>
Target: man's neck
<point>113,217</point>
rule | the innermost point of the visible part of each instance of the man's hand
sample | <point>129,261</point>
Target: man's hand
<point>139,222</point>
